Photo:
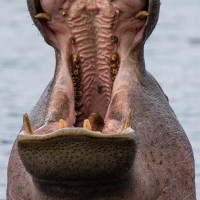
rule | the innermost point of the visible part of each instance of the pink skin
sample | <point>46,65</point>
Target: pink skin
<point>92,23</point>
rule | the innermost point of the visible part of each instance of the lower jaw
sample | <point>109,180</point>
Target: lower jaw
<point>102,149</point>
<point>77,155</point>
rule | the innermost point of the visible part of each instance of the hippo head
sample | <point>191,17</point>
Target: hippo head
<point>103,118</point>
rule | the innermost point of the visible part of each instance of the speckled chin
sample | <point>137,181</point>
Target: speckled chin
<point>77,154</point>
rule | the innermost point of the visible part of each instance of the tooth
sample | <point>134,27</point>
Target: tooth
<point>43,16</point>
<point>26,124</point>
<point>87,124</point>
<point>117,12</point>
<point>114,71</point>
<point>72,40</point>
<point>127,122</point>
<point>62,124</point>
<point>114,58</point>
<point>64,13</point>
<point>141,15</point>
<point>76,59</point>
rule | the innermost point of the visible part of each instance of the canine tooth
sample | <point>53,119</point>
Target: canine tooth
<point>43,16</point>
<point>26,124</point>
<point>87,124</point>
<point>141,15</point>
<point>127,122</point>
<point>62,124</point>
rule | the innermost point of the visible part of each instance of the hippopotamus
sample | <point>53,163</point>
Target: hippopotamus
<point>103,128</point>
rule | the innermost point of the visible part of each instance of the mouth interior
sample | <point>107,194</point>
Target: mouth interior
<point>92,42</point>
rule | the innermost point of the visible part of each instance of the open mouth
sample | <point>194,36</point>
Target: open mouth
<point>87,105</point>
<point>90,81</point>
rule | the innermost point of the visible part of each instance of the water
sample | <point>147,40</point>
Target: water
<point>27,64</point>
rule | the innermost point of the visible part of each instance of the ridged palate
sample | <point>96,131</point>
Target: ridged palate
<point>94,46</point>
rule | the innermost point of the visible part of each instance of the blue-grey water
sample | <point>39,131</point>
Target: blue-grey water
<point>27,64</point>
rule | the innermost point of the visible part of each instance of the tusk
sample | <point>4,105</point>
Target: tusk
<point>127,122</point>
<point>43,16</point>
<point>87,124</point>
<point>62,124</point>
<point>26,124</point>
<point>141,15</point>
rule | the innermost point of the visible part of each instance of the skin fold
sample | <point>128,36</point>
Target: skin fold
<point>103,128</point>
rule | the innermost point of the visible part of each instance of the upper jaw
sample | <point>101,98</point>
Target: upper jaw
<point>34,7</point>
<point>106,60</point>
<point>71,99</point>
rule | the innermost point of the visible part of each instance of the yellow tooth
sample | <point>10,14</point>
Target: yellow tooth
<point>87,124</point>
<point>64,13</point>
<point>141,15</point>
<point>76,59</point>
<point>26,124</point>
<point>117,12</point>
<point>43,16</point>
<point>114,58</point>
<point>62,124</point>
<point>127,122</point>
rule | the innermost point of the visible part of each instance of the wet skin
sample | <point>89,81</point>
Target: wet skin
<point>103,128</point>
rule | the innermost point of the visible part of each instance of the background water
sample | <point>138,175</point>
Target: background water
<point>27,64</point>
